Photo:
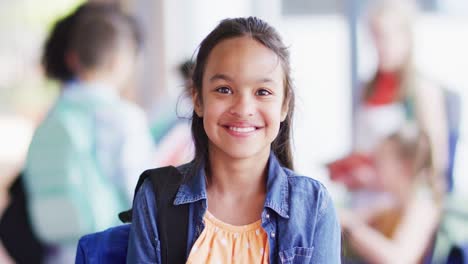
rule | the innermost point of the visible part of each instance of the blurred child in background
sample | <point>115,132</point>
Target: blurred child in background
<point>86,155</point>
<point>397,93</point>
<point>400,229</point>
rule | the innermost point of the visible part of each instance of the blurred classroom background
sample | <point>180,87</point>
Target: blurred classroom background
<point>332,55</point>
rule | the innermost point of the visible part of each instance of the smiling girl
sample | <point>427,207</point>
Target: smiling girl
<point>246,205</point>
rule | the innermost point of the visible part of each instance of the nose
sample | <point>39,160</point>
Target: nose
<point>243,105</point>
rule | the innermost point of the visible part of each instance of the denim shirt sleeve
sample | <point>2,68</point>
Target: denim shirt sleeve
<point>143,245</point>
<point>327,248</point>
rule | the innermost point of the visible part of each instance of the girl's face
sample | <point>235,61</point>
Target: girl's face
<point>242,99</point>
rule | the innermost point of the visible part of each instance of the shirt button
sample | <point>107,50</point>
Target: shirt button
<point>268,216</point>
<point>273,234</point>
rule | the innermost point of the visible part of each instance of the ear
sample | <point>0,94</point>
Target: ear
<point>197,105</point>
<point>72,60</point>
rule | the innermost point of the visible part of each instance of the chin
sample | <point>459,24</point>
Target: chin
<point>390,66</point>
<point>239,153</point>
<point>243,152</point>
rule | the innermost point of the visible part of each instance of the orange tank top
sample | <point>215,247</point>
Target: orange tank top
<point>224,243</point>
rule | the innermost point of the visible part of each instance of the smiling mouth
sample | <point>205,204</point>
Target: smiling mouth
<point>242,129</point>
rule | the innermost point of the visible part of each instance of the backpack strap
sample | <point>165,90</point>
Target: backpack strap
<point>126,216</point>
<point>172,220</point>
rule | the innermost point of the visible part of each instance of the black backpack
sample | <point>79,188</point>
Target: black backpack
<point>172,220</point>
<point>16,231</point>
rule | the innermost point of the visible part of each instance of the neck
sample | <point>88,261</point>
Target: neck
<point>238,176</point>
<point>95,77</point>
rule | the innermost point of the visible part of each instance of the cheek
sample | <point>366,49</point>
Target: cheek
<point>273,116</point>
<point>212,112</point>
<point>212,108</point>
<point>278,117</point>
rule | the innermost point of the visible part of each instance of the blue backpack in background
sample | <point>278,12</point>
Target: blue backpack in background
<point>110,246</point>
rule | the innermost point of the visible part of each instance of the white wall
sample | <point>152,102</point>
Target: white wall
<point>320,62</point>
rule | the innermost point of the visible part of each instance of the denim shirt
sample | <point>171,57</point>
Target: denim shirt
<point>298,216</point>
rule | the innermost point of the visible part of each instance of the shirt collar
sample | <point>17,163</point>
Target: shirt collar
<point>77,88</point>
<point>277,187</point>
<point>195,188</point>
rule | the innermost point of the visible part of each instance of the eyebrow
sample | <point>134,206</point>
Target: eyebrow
<point>220,76</point>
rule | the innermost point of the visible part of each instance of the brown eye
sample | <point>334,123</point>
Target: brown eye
<point>262,92</point>
<point>224,90</point>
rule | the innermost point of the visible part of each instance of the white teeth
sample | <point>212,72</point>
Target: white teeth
<point>242,129</point>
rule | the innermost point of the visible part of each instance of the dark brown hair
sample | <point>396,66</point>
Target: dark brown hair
<point>260,31</point>
<point>92,31</point>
